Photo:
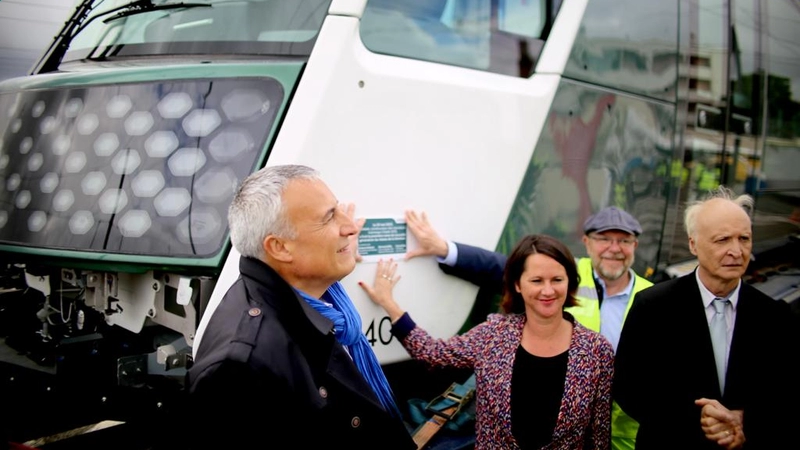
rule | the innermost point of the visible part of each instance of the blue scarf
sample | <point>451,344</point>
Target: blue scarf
<point>347,326</point>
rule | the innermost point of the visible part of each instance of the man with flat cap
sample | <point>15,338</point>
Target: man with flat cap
<point>608,283</point>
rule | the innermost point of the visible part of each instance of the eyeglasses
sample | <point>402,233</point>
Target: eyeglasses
<point>607,241</point>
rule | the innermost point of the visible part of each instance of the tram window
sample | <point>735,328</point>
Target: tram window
<point>630,45</point>
<point>774,66</point>
<point>521,17</point>
<point>491,35</point>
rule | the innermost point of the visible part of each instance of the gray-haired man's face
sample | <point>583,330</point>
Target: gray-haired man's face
<point>612,252</point>
<point>321,250</point>
<point>722,241</point>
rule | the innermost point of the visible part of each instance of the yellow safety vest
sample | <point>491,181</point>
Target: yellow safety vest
<point>709,179</point>
<point>587,312</point>
<point>679,172</point>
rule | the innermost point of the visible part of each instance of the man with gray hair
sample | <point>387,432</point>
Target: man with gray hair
<point>284,354</point>
<point>703,359</point>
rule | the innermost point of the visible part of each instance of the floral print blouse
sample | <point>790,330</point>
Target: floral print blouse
<point>584,419</point>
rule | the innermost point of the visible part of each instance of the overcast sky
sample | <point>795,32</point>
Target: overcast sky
<point>26,28</point>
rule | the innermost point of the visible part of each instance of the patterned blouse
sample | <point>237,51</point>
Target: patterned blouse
<point>584,419</point>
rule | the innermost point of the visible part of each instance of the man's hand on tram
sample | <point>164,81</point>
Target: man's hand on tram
<point>430,243</point>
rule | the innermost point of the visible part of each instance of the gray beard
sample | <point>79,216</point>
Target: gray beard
<point>613,276</point>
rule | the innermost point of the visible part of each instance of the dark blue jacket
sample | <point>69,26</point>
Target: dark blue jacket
<point>269,373</point>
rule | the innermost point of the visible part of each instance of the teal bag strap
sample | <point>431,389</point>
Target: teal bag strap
<point>456,395</point>
<point>444,410</point>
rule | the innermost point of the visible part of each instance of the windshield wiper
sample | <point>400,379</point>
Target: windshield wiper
<point>142,6</point>
<point>80,20</point>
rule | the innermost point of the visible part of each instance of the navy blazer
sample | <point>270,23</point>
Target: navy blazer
<point>484,269</point>
<point>665,361</point>
<point>479,266</point>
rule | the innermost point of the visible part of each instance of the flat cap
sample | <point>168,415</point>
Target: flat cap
<point>612,218</point>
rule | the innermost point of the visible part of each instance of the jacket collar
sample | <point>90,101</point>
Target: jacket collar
<point>279,291</point>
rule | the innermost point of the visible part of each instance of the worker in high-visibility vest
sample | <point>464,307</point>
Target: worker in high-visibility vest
<point>679,173</point>
<point>708,178</point>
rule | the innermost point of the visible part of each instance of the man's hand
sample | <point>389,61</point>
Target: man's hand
<point>350,210</point>
<point>430,243</point>
<point>720,424</point>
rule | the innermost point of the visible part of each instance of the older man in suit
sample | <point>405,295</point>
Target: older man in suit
<point>701,358</point>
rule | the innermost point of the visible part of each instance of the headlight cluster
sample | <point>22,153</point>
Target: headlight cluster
<point>146,168</point>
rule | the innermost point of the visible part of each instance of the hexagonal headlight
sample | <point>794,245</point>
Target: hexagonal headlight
<point>134,223</point>
<point>75,162</point>
<point>126,162</point>
<point>118,106</point>
<point>172,201</point>
<point>106,144</point>
<point>61,145</point>
<point>160,144</point>
<point>201,122</point>
<point>37,221</point>
<point>174,105</point>
<point>49,183</point>
<point>73,107</point>
<point>35,162</point>
<point>23,199</point>
<point>230,144</point>
<point>205,225</point>
<point>112,201</point>
<point>87,124</point>
<point>147,183</point>
<point>63,200</point>
<point>186,162</point>
<point>139,123</point>
<point>244,104</point>
<point>81,222</point>
<point>93,183</point>
<point>216,185</point>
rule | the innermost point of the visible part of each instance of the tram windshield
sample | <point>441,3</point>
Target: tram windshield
<point>119,28</point>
